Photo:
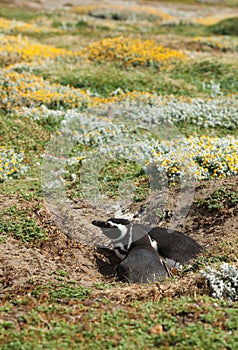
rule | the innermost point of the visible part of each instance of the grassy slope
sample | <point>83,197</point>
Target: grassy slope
<point>175,324</point>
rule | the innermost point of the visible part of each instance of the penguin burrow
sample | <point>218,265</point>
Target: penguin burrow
<point>141,247</point>
<point>140,262</point>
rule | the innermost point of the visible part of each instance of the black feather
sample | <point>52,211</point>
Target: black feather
<point>175,245</point>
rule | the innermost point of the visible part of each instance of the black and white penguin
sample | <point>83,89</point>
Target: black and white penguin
<point>141,263</point>
<point>175,248</point>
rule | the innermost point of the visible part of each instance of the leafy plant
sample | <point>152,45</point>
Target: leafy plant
<point>221,198</point>
<point>16,222</point>
<point>64,291</point>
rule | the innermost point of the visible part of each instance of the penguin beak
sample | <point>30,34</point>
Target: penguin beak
<point>101,224</point>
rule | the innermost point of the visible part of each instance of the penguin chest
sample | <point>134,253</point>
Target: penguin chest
<point>141,266</point>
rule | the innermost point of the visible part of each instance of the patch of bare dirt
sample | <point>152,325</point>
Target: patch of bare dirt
<point>24,265</point>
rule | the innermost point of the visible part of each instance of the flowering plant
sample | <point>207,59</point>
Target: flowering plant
<point>10,164</point>
<point>223,282</point>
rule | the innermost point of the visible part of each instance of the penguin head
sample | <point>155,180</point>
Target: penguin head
<point>122,233</point>
<point>115,229</point>
<point>119,232</point>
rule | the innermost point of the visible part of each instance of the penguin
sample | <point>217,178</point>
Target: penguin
<point>141,263</point>
<point>173,246</point>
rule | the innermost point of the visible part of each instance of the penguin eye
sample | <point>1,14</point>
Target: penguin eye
<point>110,225</point>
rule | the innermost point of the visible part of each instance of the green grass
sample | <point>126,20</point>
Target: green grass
<point>196,73</point>
<point>182,29</point>
<point>23,134</point>
<point>117,179</point>
<point>228,26</point>
<point>130,173</point>
<point>15,222</point>
<point>183,79</point>
<point>27,187</point>
<point>31,137</point>
<point>104,79</point>
<point>18,13</point>
<point>184,323</point>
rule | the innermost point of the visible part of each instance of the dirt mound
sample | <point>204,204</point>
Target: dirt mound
<point>26,264</point>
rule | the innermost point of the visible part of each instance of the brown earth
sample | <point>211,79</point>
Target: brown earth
<point>24,266</point>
